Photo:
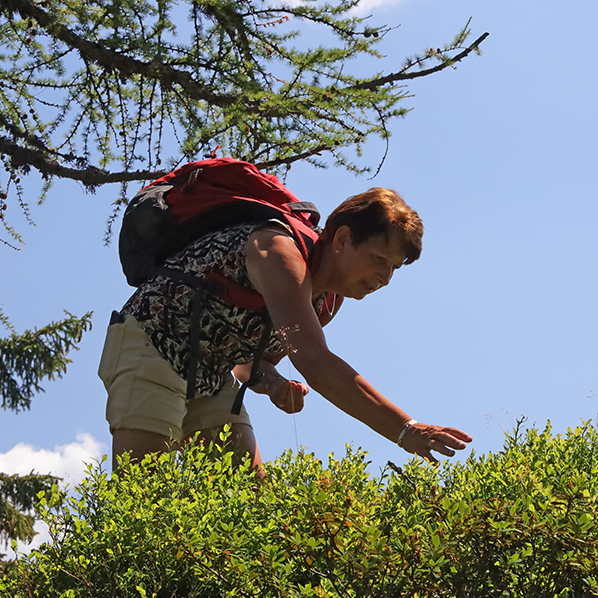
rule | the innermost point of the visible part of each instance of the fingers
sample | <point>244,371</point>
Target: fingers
<point>441,447</point>
<point>429,456</point>
<point>303,387</point>
<point>426,454</point>
<point>290,396</point>
<point>422,440</point>
<point>449,440</point>
<point>298,391</point>
<point>458,434</point>
<point>295,400</point>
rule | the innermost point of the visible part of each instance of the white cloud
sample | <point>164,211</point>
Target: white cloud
<point>66,461</point>
<point>365,7</point>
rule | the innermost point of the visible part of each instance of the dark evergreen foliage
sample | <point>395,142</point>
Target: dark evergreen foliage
<point>25,361</point>
<point>18,498</point>
<point>28,358</point>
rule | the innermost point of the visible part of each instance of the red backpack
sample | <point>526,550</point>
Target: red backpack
<point>202,197</point>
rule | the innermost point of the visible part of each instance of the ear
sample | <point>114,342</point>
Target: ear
<point>342,238</point>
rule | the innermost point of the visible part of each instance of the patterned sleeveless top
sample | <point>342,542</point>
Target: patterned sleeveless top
<point>229,334</point>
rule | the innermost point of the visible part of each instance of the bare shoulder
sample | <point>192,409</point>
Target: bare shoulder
<point>279,273</point>
<point>270,238</point>
<point>272,255</point>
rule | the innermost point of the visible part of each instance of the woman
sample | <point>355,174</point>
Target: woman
<point>144,364</point>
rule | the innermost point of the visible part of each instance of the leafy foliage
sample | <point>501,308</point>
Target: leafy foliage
<point>518,523</point>
<point>26,359</point>
<point>97,92</point>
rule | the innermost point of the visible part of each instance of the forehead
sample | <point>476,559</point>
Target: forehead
<point>392,245</point>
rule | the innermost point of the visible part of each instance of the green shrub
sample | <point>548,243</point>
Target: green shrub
<point>518,523</point>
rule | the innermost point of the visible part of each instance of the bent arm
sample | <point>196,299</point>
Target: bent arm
<point>287,395</point>
<point>267,367</point>
<point>279,273</point>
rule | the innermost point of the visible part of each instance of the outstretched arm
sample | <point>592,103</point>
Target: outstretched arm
<point>280,274</point>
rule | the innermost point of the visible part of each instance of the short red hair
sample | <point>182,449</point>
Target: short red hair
<point>378,211</point>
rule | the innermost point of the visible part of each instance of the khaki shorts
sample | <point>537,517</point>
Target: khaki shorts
<point>145,393</point>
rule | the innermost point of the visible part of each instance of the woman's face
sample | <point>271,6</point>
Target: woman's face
<point>364,268</point>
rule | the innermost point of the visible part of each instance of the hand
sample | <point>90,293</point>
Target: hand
<point>421,439</point>
<point>287,394</point>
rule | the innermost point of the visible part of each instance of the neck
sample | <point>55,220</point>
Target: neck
<point>321,268</point>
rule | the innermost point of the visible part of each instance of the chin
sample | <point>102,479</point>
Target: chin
<point>359,296</point>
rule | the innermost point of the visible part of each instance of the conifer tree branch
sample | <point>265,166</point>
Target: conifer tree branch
<point>405,76</point>
<point>281,161</point>
<point>18,497</point>
<point>112,60</point>
<point>96,92</point>
<point>90,176</point>
<point>29,358</point>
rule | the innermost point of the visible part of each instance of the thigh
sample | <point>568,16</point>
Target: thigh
<point>144,391</point>
<point>204,413</point>
<point>241,441</point>
<point>207,416</point>
<point>138,443</point>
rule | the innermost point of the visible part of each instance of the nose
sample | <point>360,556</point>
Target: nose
<point>385,276</point>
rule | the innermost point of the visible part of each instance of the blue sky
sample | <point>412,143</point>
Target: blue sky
<point>497,319</point>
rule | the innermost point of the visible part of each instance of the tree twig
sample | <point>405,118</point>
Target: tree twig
<point>91,175</point>
<point>403,76</point>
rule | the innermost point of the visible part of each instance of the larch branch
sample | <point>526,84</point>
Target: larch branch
<point>289,160</point>
<point>403,76</point>
<point>91,175</point>
<point>111,60</point>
